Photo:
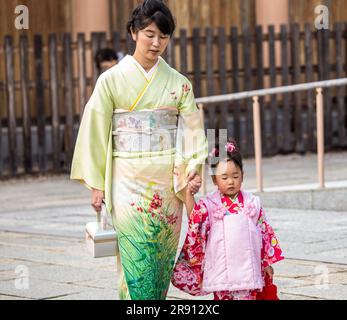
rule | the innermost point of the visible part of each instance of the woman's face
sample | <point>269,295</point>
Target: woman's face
<point>150,42</point>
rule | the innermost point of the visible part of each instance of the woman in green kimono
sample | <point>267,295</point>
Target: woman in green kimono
<point>140,142</point>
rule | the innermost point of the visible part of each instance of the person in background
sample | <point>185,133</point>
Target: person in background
<point>105,59</point>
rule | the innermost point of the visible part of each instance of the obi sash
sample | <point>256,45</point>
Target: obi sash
<point>145,131</point>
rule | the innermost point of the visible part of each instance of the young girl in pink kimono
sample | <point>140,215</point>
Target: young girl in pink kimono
<point>230,246</point>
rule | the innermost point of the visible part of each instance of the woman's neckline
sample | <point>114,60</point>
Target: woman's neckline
<point>147,74</point>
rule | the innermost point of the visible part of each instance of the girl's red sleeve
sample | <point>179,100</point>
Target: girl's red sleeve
<point>271,251</point>
<point>188,271</point>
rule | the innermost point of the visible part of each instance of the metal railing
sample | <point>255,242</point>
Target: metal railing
<point>254,95</point>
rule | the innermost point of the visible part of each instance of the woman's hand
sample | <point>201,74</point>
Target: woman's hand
<point>269,271</point>
<point>194,182</point>
<point>97,198</point>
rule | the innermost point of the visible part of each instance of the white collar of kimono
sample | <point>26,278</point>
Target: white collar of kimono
<point>148,74</point>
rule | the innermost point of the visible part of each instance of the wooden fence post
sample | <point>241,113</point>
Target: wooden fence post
<point>236,105</point>
<point>82,71</point>
<point>341,91</point>
<point>257,143</point>
<point>287,114</point>
<point>247,87</point>
<point>277,136</point>
<point>24,79</point>
<point>260,79</point>
<point>223,123</point>
<point>40,102</point>
<point>54,91</point>
<point>320,137</point>
<point>197,62</point>
<point>69,100</point>
<point>212,111</point>
<point>298,109</point>
<point>10,93</point>
<point>183,52</point>
<point>202,116</point>
<point>310,141</point>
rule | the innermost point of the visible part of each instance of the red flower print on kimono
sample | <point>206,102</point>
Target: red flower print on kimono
<point>271,251</point>
<point>185,91</point>
<point>186,88</point>
<point>188,271</point>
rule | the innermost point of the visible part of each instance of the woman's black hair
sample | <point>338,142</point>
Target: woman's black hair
<point>152,11</point>
<point>234,156</point>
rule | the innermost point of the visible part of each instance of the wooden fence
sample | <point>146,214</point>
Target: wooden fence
<point>46,84</point>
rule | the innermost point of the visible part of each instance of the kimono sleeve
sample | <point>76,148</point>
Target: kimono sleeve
<point>195,142</point>
<point>271,251</point>
<point>189,269</point>
<point>191,146</point>
<point>92,145</point>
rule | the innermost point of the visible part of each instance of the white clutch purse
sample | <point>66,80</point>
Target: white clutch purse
<point>101,238</point>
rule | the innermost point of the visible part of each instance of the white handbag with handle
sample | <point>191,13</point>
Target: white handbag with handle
<point>101,238</point>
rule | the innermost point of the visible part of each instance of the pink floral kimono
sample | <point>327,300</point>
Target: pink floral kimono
<point>188,273</point>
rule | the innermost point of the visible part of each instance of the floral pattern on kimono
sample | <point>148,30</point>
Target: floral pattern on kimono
<point>190,264</point>
<point>235,295</point>
<point>188,272</point>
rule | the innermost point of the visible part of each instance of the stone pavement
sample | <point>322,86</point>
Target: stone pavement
<point>43,255</point>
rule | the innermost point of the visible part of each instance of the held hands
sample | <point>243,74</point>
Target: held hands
<point>193,185</point>
<point>97,198</point>
<point>193,182</point>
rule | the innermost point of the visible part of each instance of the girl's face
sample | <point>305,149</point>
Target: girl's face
<point>228,178</point>
<point>150,42</point>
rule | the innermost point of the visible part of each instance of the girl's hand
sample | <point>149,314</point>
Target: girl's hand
<point>97,198</point>
<point>194,182</point>
<point>269,271</point>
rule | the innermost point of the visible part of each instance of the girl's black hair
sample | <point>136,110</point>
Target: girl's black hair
<point>152,11</point>
<point>234,156</point>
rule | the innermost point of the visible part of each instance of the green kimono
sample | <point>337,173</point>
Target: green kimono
<point>139,138</point>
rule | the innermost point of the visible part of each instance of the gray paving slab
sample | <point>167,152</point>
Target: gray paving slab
<point>332,292</point>
<point>47,257</point>
<point>67,274</point>
<point>287,282</point>
<point>10,265</point>
<point>43,192</point>
<point>332,277</point>
<point>286,296</point>
<point>7,275</point>
<point>93,294</point>
<point>9,297</point>
<point>293,269</point>
<point>111,282</point>
<point>32,255</point>
<point>38,289</point>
